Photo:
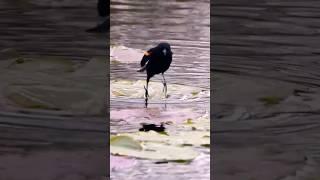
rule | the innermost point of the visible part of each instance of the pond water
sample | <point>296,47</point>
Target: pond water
<point>142,25</point>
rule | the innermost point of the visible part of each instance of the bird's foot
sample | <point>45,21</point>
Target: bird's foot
<point>165,89</point>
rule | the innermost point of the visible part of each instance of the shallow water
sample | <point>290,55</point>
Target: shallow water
<point>185,25</point>
<point>142,25</point>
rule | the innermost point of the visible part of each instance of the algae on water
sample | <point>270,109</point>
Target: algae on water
<point>270,100</point>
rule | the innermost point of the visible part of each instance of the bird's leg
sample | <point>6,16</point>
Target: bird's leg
<point>146,93</point>
<point>146,88</point>
<point>164,86</point>
<point>165,104</point>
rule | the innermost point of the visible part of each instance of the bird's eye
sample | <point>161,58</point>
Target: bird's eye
<point>164,51</point>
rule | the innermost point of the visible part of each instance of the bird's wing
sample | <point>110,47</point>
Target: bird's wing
<point>146,57</point>
<point>143,67</point>
<point>144,60</point>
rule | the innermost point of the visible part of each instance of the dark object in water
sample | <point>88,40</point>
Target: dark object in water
<point>103,8</point>
<point>152,127</point>
<point>103,27</point>
<point>155,61</point>
<point>103,11</point>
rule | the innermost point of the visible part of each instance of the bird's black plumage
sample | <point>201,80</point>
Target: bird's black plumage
<point>155,61</point>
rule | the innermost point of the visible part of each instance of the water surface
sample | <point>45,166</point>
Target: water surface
<point>186,26</point>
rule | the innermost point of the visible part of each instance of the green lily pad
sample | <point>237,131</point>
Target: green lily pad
<point>195,138</point>
<point>122,54</point>
<point>174,146</point>
<point>50,98</point>
<point>53,83</point>
<point>271,100</point>
<point>156,151</point>
<point>125,142</point>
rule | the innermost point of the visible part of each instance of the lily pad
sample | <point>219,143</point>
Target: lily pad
<point>271,100</point>
<point>194,138</point>
<point>52,83</point>
<point>176,145</point>
<point>125,142</point>
<point>122,54</point>
<point>156,151</point>
<point>49,65</point>
<point>52,98</point>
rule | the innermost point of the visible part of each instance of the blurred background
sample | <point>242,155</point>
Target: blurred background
<point>51,28</point>
<point>52,92</point>
<point>265,79</point>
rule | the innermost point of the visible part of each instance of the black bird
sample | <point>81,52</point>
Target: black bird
<point>155,61</point>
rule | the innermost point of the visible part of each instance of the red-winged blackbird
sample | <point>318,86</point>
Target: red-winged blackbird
<point>155,61</point>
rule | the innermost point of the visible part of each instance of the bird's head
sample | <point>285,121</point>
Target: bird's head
<point>165,48</point>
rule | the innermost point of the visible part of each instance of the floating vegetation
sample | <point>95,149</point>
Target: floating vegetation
<point>128,146</point>
<point>20,60</point>
<point>43,64</point>
<point>194,93</point>
<point>114,61</point>
<point>125,142</point>
<point>173,146</point>
<point>189,121</point>
<point>118,93</point>
<point>27,101</point>
<point>122,54</point>
<point>134,89</point>
<point>52,83</point>
<point>271,100</point>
